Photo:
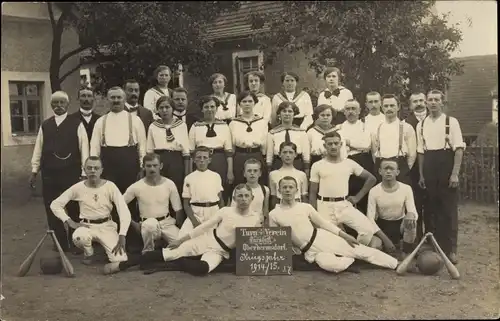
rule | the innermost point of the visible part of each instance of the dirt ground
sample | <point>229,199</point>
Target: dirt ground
<point>132,296</point>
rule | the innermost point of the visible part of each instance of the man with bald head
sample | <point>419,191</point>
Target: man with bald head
<point>61,148</point>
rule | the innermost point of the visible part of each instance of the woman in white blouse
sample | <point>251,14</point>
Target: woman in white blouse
<point>227,101</point>
<point>168,137</point>
<point>322,125</point>
<point>249,135</point>
<point>215,134</point>
<point>162,76</point>
<point>263,108</point>
<point>335,95</point>
<point>287,131</point>
<point>301,99</point>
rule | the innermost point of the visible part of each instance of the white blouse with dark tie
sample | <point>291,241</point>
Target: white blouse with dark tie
<point>199,135</point>
<point>159,137</point>
<point>249,134</point>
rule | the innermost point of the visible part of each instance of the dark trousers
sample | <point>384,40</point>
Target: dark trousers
<point>54,183</point>
<point>239,160</point>
<point>218,164</point>
<point>404,170</point>
<point>419,197</point>
<point>356,183</point>
<point>392,229</point>
<point>121,166</point>
<point>441,207</point>
<point>173,169</point>
<point>315,158</point>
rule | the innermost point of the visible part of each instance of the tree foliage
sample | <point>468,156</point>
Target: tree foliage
<point>131,39</point>
<point>387,46</point>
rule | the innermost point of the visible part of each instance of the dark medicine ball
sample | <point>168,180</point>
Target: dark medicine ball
<point>429,263</point>
<point>51,264</point>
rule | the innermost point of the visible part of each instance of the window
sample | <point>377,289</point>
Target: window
<point>245,61</point>
<point>25,107</point>
<point>177,78</point>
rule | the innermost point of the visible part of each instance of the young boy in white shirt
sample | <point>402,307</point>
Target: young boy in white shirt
<point>391,207</point>
<point>252,171</point>
<point>288,152</point>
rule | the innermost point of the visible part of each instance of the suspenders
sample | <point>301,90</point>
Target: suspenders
<point>446,132</point>
<point>263,190</point>
<point>130,136</point>
<point>400,143</point>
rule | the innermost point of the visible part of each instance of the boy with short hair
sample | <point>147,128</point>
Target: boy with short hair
<point>252,170</point>
<point>288,152</point>
<point>202,192</point>
<point>391,207</point>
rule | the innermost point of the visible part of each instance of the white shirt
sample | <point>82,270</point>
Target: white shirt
<point>83,144</point>
<point>300,217</point>
<point>336,102</point>
<point>390,206</point>
<point>230,113</point>
<point>256,138</point>
<point>152,95</point>
<point>154,200</point>
<point>86,114</point>
<point>301,99</point>
<point>333,178</point>
<point>258,200</point>
<point>359,138</point>
<point>315,136</point>
<point>276,175</point>
<point>198,136</point>
<point>129,106</point>
<point>385,143</point>
<point>263,108</point>
<point>202,187</point>
<point>95,203</point>
<point>372,123</point>
<point>117,133</point>
<point>157,137</point>
<point>225,221</point>
<point>298,136</point>
<point>435,134</point>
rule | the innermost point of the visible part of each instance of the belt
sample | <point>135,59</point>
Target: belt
<point>247,149</point>
<point>98,221</point>
<point>311,241</point>
<point>204,204</point>
<point>332,199</point>
<point>166,151</point>
<point>222,244</point>
<point>218,150</point>
<point>159,219</point>
<point>299,156</point>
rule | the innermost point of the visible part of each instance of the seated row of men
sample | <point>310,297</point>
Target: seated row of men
<point>209,229</point>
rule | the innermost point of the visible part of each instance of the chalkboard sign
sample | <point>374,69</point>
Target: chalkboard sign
<point>264,251</point>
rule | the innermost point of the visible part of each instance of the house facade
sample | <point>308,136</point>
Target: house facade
<point>26,90</point>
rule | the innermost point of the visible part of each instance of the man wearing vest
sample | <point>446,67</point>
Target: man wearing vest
<point>181,110</point>
<point>132,91</point>
<point>418,112</point>
<point>440,151</point>
<point>86,114</point>
<point>119,139</point>
<point>394,139</point>
<point>61,149</point>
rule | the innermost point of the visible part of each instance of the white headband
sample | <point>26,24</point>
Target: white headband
<point>58,95</point>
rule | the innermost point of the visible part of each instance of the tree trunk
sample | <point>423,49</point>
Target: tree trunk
<point>55,55</point>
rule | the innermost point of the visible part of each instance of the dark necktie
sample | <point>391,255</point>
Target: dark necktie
<point>170,136</point>
<point>211,132</point>
<point>132,109</point>
<point>224,106</point>
<point>287,136</point>
<point>329,94</point>
<point>249,128</point>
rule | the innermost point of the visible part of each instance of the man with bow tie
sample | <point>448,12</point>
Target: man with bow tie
<point>86,113</point>
<point>61,149</point>
<point>132,91</point>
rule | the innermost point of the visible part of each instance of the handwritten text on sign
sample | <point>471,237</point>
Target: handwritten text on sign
<point>264,251</point>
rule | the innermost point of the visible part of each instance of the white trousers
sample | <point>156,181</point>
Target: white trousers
<point>202,214</point>
<point>332,253</point>
<point>344,213</point>
<point>204,245</point>
<point>153,230</point>
<point>105,234</point>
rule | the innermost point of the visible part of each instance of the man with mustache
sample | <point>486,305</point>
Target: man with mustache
<point>119,139</point>
<point>61,148</point>
<point>86,113</point>
<point>418,113</point>
<point>394,138</point>
<point>374,117</point>
<point>180,98</point>
<point>132,92</point>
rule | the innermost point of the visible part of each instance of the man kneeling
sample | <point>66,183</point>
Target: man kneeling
<point>213,247</point>
<point>332,249</point>
<point>154,194</point>
<point>96,197</point>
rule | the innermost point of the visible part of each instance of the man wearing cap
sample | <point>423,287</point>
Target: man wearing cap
<point>61,148</point>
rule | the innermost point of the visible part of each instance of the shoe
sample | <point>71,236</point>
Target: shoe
<point>111,268</point>
<point>453,258</point>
